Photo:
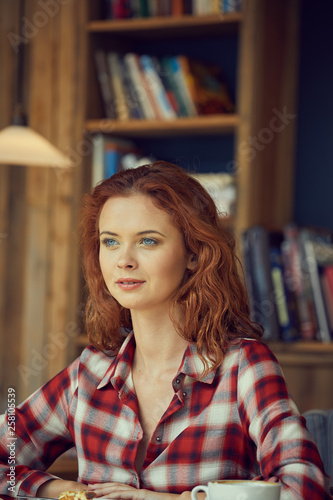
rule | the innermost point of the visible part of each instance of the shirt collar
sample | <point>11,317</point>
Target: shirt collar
<point>120,370</point>
<point>193,366</point>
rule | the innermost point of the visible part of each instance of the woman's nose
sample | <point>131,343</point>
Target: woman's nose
<point>127,259</point>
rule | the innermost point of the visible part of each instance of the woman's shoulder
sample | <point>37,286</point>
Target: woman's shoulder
<point>250,350</point>
<point>249,344</point>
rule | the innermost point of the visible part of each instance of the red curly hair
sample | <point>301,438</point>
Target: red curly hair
<point>213,298</point>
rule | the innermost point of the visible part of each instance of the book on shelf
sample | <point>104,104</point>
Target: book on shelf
<point>172,87</point>
<point>298,280</point>
<point>131,93</point>
<point>174,72</point>
<point>256,243</point>
<point>284,299</point>
<point>97,159</point>
<point>208,87</point>
<point>319,254</point>
<point>299,283</point>
<point>227,6</point>
<point>142,86</point>
<point>327,286</point>
<point>105,83</point>
<point>156,87</point>
<point>120,9</point>
<point>108,154</point>
<point>123,9</point>
<point>148,107</point>
<point>178,8</point>
<point>117,79</point>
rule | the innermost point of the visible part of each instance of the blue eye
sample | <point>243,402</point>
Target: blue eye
<point>149,242</point>
<point>109,242</point>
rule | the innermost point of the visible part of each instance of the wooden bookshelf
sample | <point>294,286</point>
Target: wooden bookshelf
<point>201,125</point>
<point>169,25</point>
<point>303,353</point>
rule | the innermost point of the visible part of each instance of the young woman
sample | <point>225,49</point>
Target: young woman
<point>176,388</point>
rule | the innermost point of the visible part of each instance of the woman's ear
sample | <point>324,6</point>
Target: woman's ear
<point>192,262</point>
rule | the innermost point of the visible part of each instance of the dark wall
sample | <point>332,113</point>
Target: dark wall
<point>314,153</point>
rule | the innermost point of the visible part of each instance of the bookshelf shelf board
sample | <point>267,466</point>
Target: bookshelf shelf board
<point>201,125</point>
<point>303,353</point>
<point>172,25</point>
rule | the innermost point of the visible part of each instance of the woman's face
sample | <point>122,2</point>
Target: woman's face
<point>142,254</point>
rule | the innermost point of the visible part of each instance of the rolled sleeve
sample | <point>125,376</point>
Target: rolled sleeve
<point>42,433</point>
<point>285,448</point>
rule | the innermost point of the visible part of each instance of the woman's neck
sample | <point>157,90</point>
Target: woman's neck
<point>158,345</point>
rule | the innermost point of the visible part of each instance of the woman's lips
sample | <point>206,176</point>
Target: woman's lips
<point>129,284</point>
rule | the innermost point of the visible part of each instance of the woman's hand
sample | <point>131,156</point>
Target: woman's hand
<point>120,491</point>
<point>53,488</point>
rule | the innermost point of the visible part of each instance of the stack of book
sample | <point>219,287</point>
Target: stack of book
<point>123,9</point>
<point>289,278</point>
<point>222,187</point>
<point>137,86</point>
<point>111,154</point>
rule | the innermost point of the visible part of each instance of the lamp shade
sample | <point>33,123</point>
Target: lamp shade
<point>20,145</point>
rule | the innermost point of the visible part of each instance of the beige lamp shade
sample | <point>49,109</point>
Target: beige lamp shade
<point>20,145</point>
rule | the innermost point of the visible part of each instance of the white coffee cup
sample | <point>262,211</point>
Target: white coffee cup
<point>239,490</point>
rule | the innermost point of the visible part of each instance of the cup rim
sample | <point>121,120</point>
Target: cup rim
<point>255,482</point>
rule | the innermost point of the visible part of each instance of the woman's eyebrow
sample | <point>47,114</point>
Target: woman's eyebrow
<point>108,232</point>
<point>148,231</point>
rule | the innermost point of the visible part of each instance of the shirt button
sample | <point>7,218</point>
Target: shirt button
<point>184,394</point>
<point>177,381</point>
<point>158,439</point>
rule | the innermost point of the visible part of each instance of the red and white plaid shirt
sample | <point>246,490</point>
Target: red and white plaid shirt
<point>238,422</point>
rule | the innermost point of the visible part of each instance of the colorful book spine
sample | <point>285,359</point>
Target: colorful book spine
<point>135,72</point>
<point>169,68</point>
<point>131,96</point>
<point>231,6</point>
<point>118,85</point>
<point>189,80</point>
<point>97,170</point>
<point>324,333</point>
<point>162,71</point>
<point>111,162</point>
<point>329,276</point>
<point>181,81</point>
<point>105,83</point>
<point>328,298</point>
<point>297,281</point>
<point>285,306</point>
<point>177,8</point>
<point>122,9</point>
<point>262,285</point>
<point>158,91</point>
